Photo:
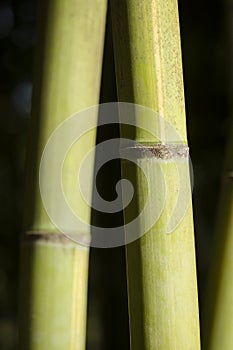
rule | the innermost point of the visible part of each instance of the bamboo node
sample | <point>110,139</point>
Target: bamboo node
<point>159,151</point>
<point>229,175</point>
<point>56,237</point>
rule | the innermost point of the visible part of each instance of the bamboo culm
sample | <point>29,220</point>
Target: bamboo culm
<point>161,270</point>
<point>53,269</point>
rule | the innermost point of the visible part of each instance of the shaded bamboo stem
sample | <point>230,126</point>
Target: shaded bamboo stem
<point>161,271</point>
<point>218,306</point>
<point>54,270</point>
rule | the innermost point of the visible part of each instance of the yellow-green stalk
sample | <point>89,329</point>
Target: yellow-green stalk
<point>218,301</point>
<point>218,306</point>
<point>54,270</point>
<point>161,270</point>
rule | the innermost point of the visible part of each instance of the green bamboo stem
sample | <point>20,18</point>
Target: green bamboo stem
<point>161,271</point>
<point>218,306</point>
<point>54,270</point>
<point>218,309</point>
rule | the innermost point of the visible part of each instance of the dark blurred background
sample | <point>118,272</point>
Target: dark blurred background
<point>206,63</point>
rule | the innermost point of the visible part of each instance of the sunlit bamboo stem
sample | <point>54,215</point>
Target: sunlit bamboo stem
<point>161,271</point>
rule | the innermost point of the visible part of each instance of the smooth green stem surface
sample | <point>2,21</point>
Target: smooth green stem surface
<point>218,301</point>
<point>161,270</point>
<point>218,306</point>
<point>54,270</point>
<point>53,294</point>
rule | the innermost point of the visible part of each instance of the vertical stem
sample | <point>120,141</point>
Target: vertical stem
<point>218,306</point>
<point>54,270</point>
<point>161,271</point>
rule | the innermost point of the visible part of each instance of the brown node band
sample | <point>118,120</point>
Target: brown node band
<point>229,175</point>
<point>56,237</point>
<point>159,151</point>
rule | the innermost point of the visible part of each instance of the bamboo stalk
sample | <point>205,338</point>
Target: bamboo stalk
<point>161,272</point>
<point>218,306</point>
<point>54,270</point>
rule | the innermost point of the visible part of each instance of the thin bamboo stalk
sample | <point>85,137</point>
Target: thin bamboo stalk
<point>161,272</point>
<point>54,270</point>
<point>218,305</point>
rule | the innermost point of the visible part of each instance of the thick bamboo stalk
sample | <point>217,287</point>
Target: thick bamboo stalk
<point>54,270</point>
<point>162,290</point>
